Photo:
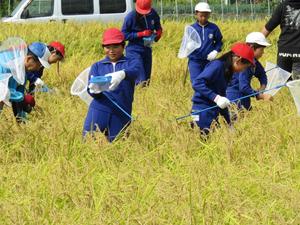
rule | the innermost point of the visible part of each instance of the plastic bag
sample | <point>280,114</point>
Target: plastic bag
<point>148,41</point>
<point>4,90</point>
<point>12,56</point>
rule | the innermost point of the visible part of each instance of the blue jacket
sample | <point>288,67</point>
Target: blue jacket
<point>134,24</point>
<point>33,76</point>
<point>124,93</point>
<point>210,83</point>
<point>211,38</point>
<point>241,82</point>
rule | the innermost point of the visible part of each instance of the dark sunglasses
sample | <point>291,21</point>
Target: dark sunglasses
<point>58,53</point>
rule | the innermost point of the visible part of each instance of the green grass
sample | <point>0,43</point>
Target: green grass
<point>163,173</point>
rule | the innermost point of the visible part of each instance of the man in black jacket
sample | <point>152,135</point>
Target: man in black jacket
<point>287,15</point>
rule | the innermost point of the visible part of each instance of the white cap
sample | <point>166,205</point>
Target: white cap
<point>41,51</point>
<point>258,38</point>
<point>202,7</point>
<point>44,59</point>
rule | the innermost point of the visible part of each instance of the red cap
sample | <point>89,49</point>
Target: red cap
<point>112,36</point>
<point>29,100</point>
<point>143,6</point>
<point>244,51</point>
<point>59,47</point>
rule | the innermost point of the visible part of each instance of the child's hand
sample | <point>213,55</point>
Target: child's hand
<point>265,97</point>
<point>145,33</point>
<point>212,55</point>
<point>95,88</point>
<point>116,79</point>
<point>39,82</point>
<point>222,102</point>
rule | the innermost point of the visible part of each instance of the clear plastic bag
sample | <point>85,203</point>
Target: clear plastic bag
<point>12,56</point>
<point>148,41</point>
<point>4,90</point>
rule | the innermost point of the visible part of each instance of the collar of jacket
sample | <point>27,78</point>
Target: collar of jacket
<point>203,25</point>
<point>106,60</point>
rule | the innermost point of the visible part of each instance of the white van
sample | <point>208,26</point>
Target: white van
<point>76,10</point>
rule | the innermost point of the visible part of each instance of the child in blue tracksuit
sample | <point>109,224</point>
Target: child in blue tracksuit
<point>111,107</point>
<point>210,85</point>
<point>57,51</point>
<point>37,56</point>
<point>240,85</point>
<point>137,27</point>
<point>211,39</point>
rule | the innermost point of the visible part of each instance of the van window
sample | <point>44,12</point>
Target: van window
<point>112,6</point>
<point>76,7</point>
<point>38,8</point>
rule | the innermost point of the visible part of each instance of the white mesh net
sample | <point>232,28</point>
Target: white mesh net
<point>190,42</point>
<point>276,76</point>
<point>79,86</point>
<point>294,87</point>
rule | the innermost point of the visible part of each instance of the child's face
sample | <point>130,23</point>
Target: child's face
<point>239,66</point>
<point>202,17</point>
<point>259,52</point>
<point>54,57</point>
<point>114,52</point>
<point>32,64</point>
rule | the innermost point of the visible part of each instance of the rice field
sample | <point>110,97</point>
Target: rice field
<point>163,173</point>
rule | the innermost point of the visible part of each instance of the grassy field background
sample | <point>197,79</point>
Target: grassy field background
<point>163,173</point>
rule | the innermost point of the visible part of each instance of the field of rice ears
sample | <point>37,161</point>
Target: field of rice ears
<point>163,173</point>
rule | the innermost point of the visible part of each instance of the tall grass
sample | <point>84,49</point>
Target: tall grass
<point>163,173</point>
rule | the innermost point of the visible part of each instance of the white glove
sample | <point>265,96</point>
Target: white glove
<point>212,55</point>
<point>39,82</point>
<point>95,88</point>
<point>116,79</point>
<point>222,102</point>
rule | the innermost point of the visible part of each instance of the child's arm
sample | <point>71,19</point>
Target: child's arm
<point>158,26</point>
<point>245,82</point>
<point>246,89</point>
<point>218,40</point>
<point>207,76</point>
<point>128,31</point>
<point>135,68</point>
<point>127,28</point>
<point>260,74</point>
<point>93,89</point>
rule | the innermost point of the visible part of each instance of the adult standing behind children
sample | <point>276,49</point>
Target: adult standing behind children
<point>211,39</point>
<point>111,107</point>
<point>287,15</point>
<point>139,27</point>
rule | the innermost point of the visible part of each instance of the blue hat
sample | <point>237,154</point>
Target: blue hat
<point>41,51</point>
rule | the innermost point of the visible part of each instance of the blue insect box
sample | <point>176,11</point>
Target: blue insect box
<point>101,80</point>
